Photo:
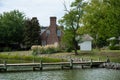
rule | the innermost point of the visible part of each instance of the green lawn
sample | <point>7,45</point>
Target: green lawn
<point>23,57</point>
<point>22,53</point>
<point>114,55</point>
<point>26,56</point>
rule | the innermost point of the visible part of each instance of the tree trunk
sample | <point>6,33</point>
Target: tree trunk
<point>75,44</point>
<point>76,53</point>
<point>75,47</point>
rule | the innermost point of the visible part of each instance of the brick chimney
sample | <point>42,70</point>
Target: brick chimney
<point>52,21</point>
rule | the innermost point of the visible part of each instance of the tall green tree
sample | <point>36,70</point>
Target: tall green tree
<point>27,33</point>
<point>11,27</point>
<point>31,32</point>
<point>102,20</point>
<point>35,31</point>
<point>71,22</point>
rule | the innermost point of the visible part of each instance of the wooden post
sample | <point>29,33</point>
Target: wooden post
<point>108,60</point>
<point>62,64</point>
<point>91,63</point>
<point>82,66</point>
<point>82,59</point>
<point>5,66</point>
<point>41,65</point>
<point>71,63</point>
<point>33,58</point>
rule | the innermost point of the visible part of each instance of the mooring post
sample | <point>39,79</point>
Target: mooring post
<point>82,59</point>
<point>62,67</point>
<point>108,60</point>
<point>82,66</point>
<point>71,63</point>
<point>62,64</point>
<point>5,65</point>
<point>91,63</point>
<point>41,65</point>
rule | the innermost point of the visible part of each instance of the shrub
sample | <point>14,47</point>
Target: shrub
<point>7,49</point>
<point>48,49</point>
<point>114,47</point>
<point>68,49</point>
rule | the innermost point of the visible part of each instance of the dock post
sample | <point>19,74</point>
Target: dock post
<point>62,64</point>
<point>82,66</point>
<point>91,63</point>
<point>82,59</point>
<point>71,64</point>
<point>5,66</point>
<point>41,65</point>
<point>62,67</point>
<point>108,60</point>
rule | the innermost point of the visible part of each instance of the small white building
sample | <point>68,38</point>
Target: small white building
<point>86,45</point>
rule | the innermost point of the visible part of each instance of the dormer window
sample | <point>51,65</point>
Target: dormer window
<point>47,32</point>
<point>58,33</point>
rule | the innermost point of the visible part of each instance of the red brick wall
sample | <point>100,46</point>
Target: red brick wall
<point>52,38</point>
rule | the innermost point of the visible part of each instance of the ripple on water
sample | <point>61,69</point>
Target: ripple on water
<point>78,74</point>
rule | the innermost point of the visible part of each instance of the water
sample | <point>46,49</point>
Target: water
<point>78,74</point>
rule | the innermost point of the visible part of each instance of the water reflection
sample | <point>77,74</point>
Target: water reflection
<point>79,74</point>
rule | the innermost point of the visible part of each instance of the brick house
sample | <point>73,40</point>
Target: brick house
<point>51,34</point>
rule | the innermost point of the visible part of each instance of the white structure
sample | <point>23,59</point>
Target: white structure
<point>86,45</point>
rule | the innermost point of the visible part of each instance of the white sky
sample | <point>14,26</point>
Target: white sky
<point>42,9</point>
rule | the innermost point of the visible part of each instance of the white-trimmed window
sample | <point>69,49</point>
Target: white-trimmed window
<point>58,33</point>
<point>47,32</point>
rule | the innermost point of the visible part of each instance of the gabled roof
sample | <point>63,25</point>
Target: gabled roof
<point>87,37</point>
<point>43,29</point>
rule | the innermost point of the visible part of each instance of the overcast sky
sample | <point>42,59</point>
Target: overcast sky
<point>42,9</point>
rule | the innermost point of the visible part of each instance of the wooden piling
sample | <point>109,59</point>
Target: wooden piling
<point>71,64</point>
<point>108,60</point>
<point>82,66</point>
<point>62,64</point>
<point>5,66</point>
<point>81,59</point>
<point>41,65</point>
<point>62,67</point>
<point>91,63</point>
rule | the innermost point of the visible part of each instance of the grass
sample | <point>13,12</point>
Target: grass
<point>17,53</point>
<point>114,55</point>
<point>96,54</point>
<point>25,56</point>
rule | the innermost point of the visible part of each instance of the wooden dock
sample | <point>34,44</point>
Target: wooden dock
<point>62,65</point>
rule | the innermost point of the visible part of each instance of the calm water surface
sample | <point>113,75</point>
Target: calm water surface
<point>79,74</point>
